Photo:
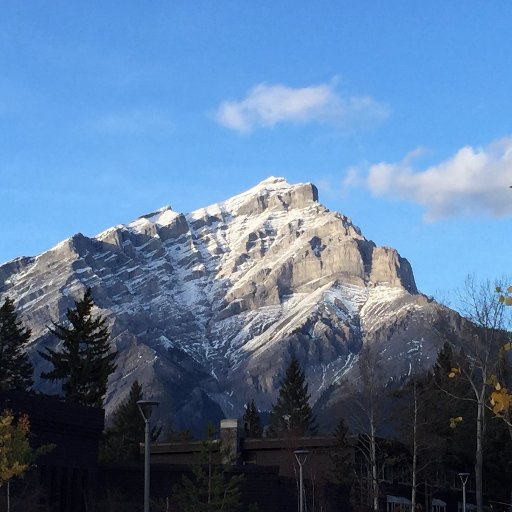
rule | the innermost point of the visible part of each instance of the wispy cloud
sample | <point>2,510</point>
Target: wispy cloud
<point>268,105</point>
<point>472,182</point>
<point>138,122</point>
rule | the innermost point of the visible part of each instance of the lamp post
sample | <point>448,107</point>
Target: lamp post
<point>145,408</point>
<point>463,478</point>
<point>301,456</point>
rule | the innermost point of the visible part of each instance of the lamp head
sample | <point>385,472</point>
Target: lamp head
<point>301,456</point>
<point>463,477</point>
<point>146,407</point>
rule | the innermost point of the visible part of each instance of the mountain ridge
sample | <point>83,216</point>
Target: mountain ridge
<point>216,300</point>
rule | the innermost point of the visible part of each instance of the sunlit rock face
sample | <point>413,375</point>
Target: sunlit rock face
<point>207,308</point>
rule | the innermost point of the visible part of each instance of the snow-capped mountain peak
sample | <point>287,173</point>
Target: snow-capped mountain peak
<point>207,307</point>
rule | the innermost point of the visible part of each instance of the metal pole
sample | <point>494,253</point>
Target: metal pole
<point>463,478</point>
<point>301,485</point>
<point>464,497</point>
<point>146,466</point>
<point>301,456</point>
<point>146,414</point>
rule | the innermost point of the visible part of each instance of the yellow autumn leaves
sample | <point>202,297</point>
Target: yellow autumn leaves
<point>15,451</point>
<point>454,372</point>
<point>500,398</point>
<point>455,421</point>
<point>505,297</point>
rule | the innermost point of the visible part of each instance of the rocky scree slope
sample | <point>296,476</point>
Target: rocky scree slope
<point>207,308</point>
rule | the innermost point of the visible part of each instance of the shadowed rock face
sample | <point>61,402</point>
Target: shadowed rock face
<point>207,308</point>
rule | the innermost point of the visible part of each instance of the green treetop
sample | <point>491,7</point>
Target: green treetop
<point>252,420</point>
<point>292,413</point>
<point>127,431</point>
<point>84,361</point>
<point>15,368</point>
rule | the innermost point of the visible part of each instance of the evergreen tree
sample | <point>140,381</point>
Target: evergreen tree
<point>252,420</point>
<point>121,441</point>
<point>211,488</point>
<point>85,361</point>
<point>342,456</point>
<point>449,413</point>
<point>15,368</point>
<point>292,412</point>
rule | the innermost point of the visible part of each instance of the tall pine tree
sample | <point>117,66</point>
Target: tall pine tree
<point>252,420</point>
<point>291,414</point>
<point>15,368</point>
<point>85,360</point>
<point>122,439</point>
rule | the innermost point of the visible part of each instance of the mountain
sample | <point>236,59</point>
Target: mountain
<point>207,308</point>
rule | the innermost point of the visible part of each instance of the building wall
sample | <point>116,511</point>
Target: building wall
<point>67,473</point>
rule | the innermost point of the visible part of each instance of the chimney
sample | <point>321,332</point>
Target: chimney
<point>230,436</point>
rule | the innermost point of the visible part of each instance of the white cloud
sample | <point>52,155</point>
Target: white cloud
<point>472,182</point>
<point>267,105</point>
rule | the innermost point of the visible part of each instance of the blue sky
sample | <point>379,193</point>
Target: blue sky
<point>399,111</point>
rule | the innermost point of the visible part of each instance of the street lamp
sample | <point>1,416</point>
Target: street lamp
<point>145,408</point>
<point>301,456</point>
<point>463,478</point>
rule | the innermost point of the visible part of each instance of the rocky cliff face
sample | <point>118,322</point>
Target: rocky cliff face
<point>207,308</point>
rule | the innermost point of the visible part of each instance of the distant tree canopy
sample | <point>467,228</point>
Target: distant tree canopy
<point>85,360</point>
<point>292,413</point>
<point>15,368</point>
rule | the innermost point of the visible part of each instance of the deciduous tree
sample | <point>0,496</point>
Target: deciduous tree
<point>420,420</point>
<point>16,454</point>
<point>368,412</point>
<point>479,362</point>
